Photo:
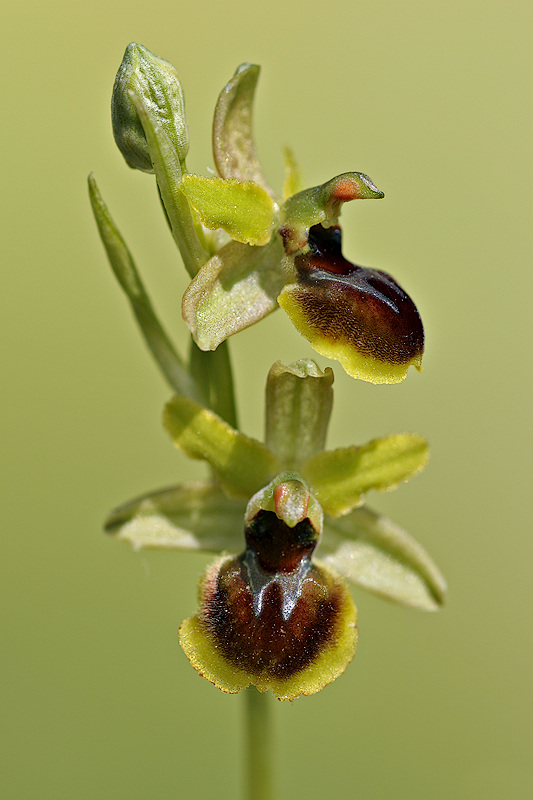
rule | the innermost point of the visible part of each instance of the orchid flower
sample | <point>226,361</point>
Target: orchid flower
<point>289,496</point>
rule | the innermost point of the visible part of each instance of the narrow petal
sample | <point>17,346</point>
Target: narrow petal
<point>299,398</point>
<point>372,552</point>
<point>358,316</point>
<point>233,144</point>
<point>233,643</point>
<point>236,288</point>
<point>293,177</point>
<point>340,478</point>
<point>191,516</point>
<point>243,465</point>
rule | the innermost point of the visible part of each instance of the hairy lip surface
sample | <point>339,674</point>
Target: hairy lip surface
<point>269,643</point>
<point>364,307</point>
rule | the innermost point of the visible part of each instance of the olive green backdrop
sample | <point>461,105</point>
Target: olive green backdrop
<point>433,101</point>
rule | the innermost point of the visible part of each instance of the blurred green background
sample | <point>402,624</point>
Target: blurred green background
<point>433,101</point>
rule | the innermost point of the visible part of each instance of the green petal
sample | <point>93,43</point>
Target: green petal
<point>340,478</point>
<point>242,464</point>
<point>298,406</point>
<point>233,145</point>
<point>127,275</point>
<point>192,516</point>
<point>242,209</point>
<point>371,551</point>
<point>293,182</point>
<point>236,288</point>
<point>322,204</point>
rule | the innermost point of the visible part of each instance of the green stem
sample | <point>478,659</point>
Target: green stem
<point>258,746</point>
<point>212,373</point>
<point>223,392</point>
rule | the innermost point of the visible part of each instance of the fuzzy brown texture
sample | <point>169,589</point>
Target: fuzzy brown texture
<point>268,644</point>
<point>363,307</point>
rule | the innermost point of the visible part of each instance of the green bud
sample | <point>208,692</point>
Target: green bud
<point>155,84</point>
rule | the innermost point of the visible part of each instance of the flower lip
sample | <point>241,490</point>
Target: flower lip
<point>290,633</point>
<point>346,302</point>
<point>270,642</point>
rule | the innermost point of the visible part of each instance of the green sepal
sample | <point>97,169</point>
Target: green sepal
<point>236,288</point>
<point>289,497</point>
<point>322,204</point>
<point>299,398</point>
<point>243,464</point>
<point>241,208</point>
<point>123,265</point>
<point>233,144</point>
<point>156,82</point>
<point>341,477</point>
<point>372,552</point>
<point>191,516</point>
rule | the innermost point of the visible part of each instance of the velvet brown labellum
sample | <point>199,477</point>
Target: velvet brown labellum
<point>359,316</point>
<point>271,617</point>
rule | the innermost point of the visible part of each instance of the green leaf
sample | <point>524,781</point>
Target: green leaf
<point>339,478</point>
<point>168,171</point>
<point>192,516</point>
<point>242,209</point>
<point>243,465</point>
<point>233,145</point>
<point>371,551</point>
<point>123,266</point>
<point>298,406</point>
<point>322,204</point>
<point>236,288</point>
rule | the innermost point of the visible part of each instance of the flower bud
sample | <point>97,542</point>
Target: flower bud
<point>154,83</point>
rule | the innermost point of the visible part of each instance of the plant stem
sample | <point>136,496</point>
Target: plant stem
<point>223,392</point>
<point>258,746</point>
<point>213,375</point>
